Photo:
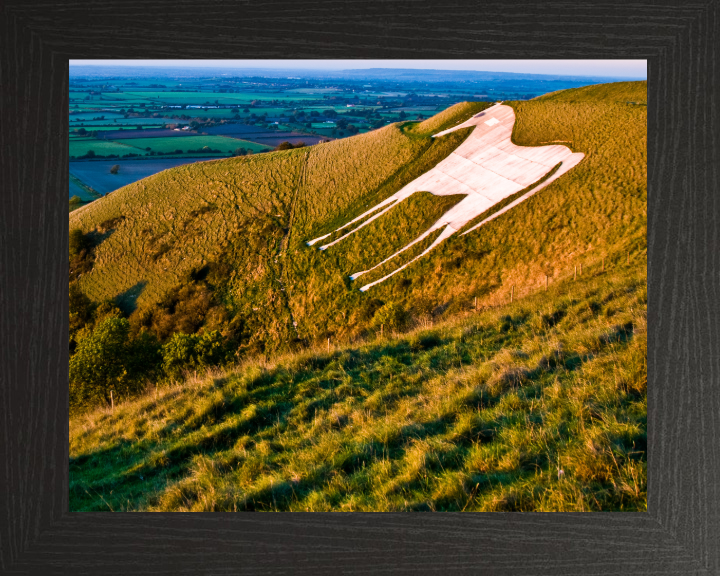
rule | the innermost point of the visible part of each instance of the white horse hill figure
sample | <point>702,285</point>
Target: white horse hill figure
<point>487,167</point>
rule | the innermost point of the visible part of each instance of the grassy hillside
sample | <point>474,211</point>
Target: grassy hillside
<point>536,405</point>
<point>237,228</point>
<point>245,221</point>
<point>504,371</point>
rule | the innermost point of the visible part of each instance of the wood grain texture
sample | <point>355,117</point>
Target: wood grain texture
<point>680,533</point>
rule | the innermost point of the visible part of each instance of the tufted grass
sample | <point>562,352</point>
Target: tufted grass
<point>536,405</point>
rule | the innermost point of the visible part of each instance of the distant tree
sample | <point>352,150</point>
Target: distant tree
<point>246,110</point>
<point>300,144</point>
<point>239,152</point>
<point>148,148</point>
<point>138,127</point>
<point>81,131</point>
<point>90,154</point>
<point>115,169</point>
<point>284,146</point>
<point>402,115</point>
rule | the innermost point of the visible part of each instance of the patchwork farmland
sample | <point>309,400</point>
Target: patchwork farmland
<point>123,118</point>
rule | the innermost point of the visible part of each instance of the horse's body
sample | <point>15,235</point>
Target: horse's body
<point>487,167</point>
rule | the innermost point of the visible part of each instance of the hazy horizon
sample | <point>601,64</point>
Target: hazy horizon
<point>627,69</point>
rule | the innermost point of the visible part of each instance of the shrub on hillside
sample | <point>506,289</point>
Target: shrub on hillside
<point>81,311</point>
<point>78,242</point>
<point>82,256</point>
<point>108,360</point>
<point>75,203</point>
<point>192,351</point>
<point>392,316</point>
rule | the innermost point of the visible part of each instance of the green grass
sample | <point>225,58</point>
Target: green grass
<point>80,147</point>
<point>539,405</point>
<point>185,143</point>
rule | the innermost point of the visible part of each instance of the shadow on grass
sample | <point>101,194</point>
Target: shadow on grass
<point>127,301</point>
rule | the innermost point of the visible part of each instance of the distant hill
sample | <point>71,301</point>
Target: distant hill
<point>221,244</point>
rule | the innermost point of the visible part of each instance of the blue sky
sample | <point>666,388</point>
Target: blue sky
<point>631,69</point>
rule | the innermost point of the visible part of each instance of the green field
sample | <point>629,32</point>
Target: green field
<point>214,113</point>
<point>121,122</point>
<point>195,98</point>
<point>313,91</point>
<point>186,143</point>
<point>113,127</point>
<point>80,147</point>
<point>90,115</point>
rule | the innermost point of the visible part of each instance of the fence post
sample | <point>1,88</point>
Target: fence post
<point>328,345</point>
<point>575,278</point>
<point>112,403</point>
<point>475,303</point>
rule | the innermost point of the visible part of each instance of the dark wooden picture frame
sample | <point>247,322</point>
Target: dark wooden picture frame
<point>680,533</point>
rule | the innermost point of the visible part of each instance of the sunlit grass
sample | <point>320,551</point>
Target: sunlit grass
<point>537,405</point>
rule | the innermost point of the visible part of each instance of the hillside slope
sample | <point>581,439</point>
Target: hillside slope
<point>506,370</point>
<point>538,405</point>
<point>226,239</point>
